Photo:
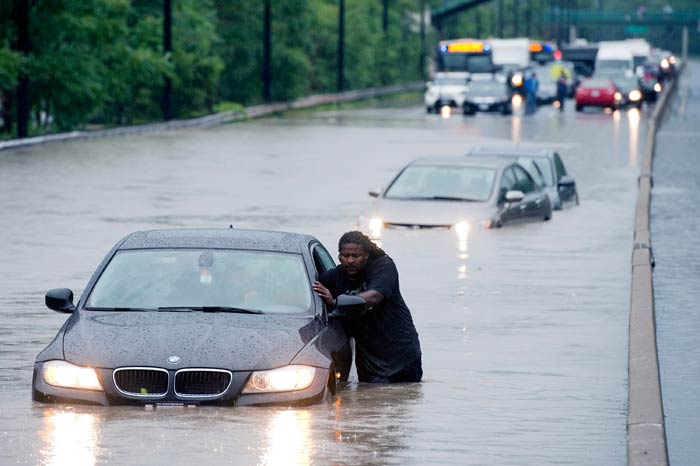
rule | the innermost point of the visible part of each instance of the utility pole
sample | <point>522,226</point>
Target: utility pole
<point>421,64</point>
<point>500,18</point>
<point>528,19</point>
<point>385,16</point>
<point>266,52</point>
<point>22,22</point>
<point>167,50</point>
<point>341,44</point>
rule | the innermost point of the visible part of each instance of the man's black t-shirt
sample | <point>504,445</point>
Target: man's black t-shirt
<point>386,340</point>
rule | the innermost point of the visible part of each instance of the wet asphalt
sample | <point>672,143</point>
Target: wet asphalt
<point>674,229</point>
<point>523,329</point>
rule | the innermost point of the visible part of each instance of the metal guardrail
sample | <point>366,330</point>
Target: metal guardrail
<point>255,111</point>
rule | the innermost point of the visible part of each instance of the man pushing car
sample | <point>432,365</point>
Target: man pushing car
<point>387,349</point>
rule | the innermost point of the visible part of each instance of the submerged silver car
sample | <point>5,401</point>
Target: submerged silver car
<point>545,165</point>
<point>460,193</point>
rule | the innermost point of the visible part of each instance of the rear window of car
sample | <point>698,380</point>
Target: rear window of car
<point>151,278</point>
<point>595,83</point>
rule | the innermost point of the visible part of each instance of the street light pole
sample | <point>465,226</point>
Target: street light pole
<point>266,52</point>
<point>22,21</point>
<point>341,44</point>
<point>167,50</point>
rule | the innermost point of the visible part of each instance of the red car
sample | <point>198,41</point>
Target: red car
<point>597,92</point>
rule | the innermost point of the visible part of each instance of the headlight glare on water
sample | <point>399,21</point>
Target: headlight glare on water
<point>284,379</point>
<point>67,375</point>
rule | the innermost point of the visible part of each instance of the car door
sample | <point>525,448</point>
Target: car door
<point>532,204</point>
<point>333,338</point>
<point>509,212</point>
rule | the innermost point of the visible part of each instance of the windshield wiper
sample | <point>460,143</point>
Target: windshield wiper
<point>120,309</point>
<point>451,198</point>
<point>238,310</point>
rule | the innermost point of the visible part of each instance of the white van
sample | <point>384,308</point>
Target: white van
<point>614,58</point>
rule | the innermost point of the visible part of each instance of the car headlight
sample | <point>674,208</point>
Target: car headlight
<point>664,63</point>
<point>67,375</point>
<point>462,229</point>
<point>375,227</point>
<point>284,379</point>
<point>618,96</point>
<point>657,87</point>
<point>635,95</point>
<point>516,80</point>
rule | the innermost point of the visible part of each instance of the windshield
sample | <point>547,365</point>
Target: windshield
<point>487,88</point>
<point>442,181</point>
<point>157,278</point>
<point>450,81</point>
<point>470,62</point>
<point>539,168</point>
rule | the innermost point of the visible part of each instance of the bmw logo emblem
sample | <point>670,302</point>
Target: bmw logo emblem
<point>174,359</point>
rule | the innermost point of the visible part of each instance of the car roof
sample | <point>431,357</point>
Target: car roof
<point>511,151</point>
<point>217,238</point>
<point>485,162</point>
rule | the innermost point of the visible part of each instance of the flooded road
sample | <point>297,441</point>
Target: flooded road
<point>523,329</point>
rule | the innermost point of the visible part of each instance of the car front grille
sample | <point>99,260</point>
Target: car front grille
<point>138,381</point>
<point>202,382</point>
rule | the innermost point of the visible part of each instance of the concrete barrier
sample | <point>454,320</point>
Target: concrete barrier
<point>255,111</point>
<point>646,430</point>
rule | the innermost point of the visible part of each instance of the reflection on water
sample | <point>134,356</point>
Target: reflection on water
<point>69,438</point>
<point>633,117</point>
<point>289,438</point>
<point>515,131</point>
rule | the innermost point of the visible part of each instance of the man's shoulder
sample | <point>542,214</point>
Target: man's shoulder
<point>382,262</point>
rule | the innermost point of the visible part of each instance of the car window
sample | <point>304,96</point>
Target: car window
<point>440,181</point>
<point>539,168</point>
<point>270,282</point>
<point>508,183</point>
<point>322,258</point>
<point>524,182</point>
<point>559,166</point>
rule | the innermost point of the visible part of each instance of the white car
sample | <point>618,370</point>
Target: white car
<point>446,89</point>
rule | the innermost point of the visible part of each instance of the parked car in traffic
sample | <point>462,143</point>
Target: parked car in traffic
<point>459,193</point>
<point>447,89</point>
<point>597,92</point>
<point>487,95</point>
<point>546,167</point>
<point>197,316</point>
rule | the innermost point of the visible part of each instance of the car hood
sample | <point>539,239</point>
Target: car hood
<point>448,90</point>
<point>218,340</point>
<point>429,213</point>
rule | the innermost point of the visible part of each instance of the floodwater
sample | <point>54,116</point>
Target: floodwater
<point>523,329</point>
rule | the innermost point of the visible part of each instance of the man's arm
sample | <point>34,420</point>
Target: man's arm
<point>372,297</point>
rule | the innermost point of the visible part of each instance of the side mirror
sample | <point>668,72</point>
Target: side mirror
<point>375,192</point>
<point>348,306</point>
<point>60,300</point>
<point>566,181</point>
<point>514,196</point>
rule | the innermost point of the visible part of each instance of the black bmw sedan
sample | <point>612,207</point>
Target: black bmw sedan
<point>197,316</point>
